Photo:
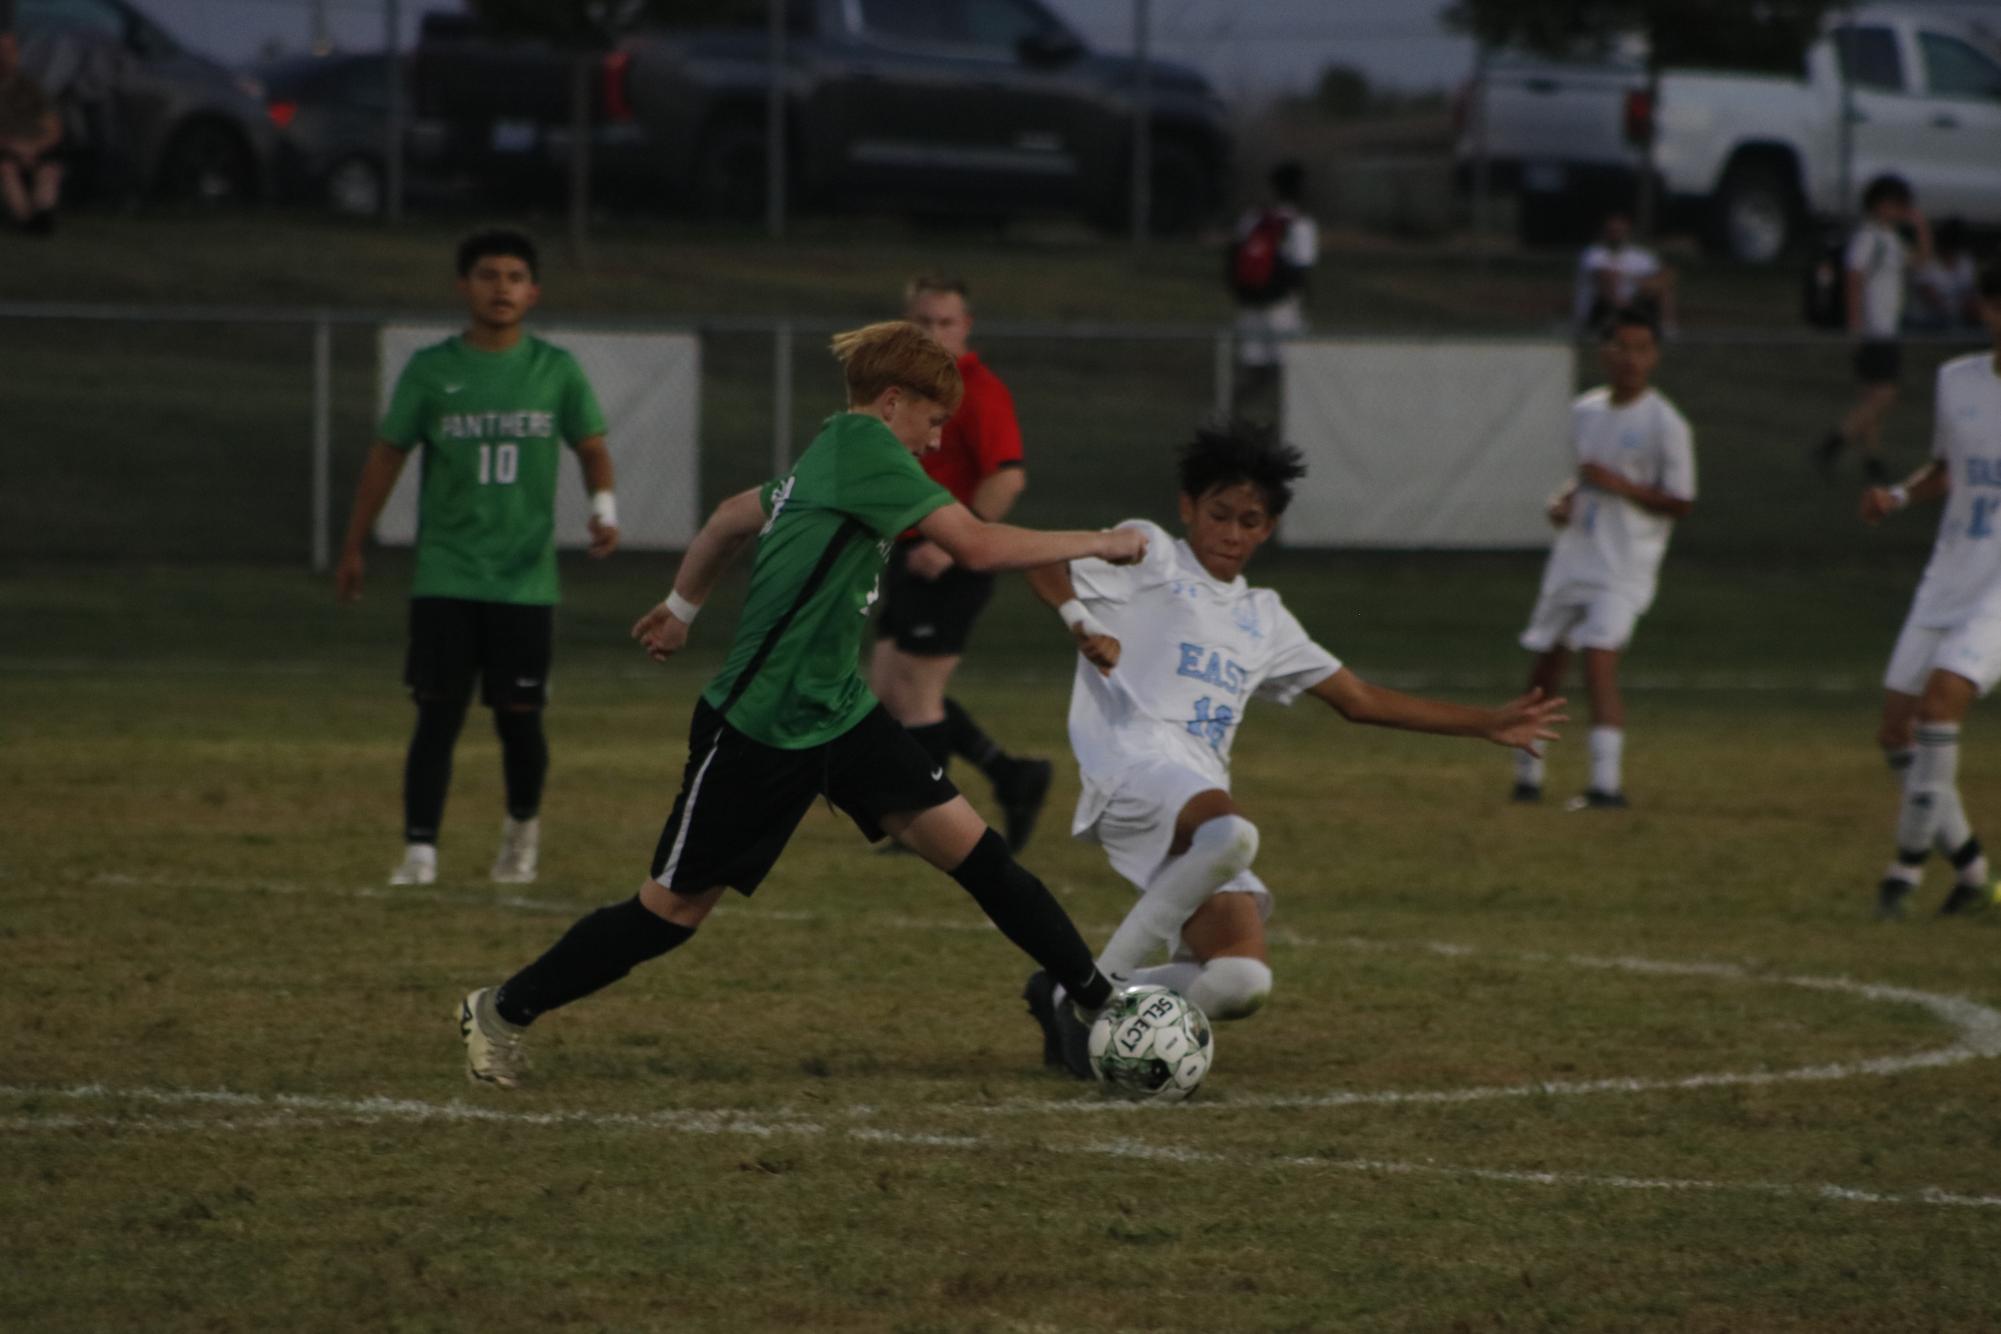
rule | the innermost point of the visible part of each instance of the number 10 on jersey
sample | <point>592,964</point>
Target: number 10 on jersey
<point>499,463</point>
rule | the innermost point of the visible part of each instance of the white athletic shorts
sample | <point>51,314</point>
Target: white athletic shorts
<point>1261,332</point>
<point>1135,824</point>
<point>1971,649</point>
<point>1578,617</point>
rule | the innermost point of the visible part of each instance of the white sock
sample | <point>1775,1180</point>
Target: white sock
<point>1608,749</point>
<point>1900,759</point>
<point>1933,785</point>
<point>1528,768</point>
<point>1180,976</point>
<point>1221,849</point>
<point>1224,988</point>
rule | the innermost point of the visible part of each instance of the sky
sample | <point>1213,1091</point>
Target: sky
<point>1248,47</point>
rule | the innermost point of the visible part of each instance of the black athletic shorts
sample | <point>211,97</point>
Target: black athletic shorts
<point>930,618</point>
<point>1879,361</point>
<point>506,645</point>
<point>741,799</point>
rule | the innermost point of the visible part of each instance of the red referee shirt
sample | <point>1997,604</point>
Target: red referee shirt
<point>981,438</point>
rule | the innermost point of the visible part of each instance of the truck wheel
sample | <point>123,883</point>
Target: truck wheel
<point>1755,213</point>
<point>1181,187</point>
<point>1545,219</point>
<point>354,186</point>
<point>207,163</point>
<point>730,172</point>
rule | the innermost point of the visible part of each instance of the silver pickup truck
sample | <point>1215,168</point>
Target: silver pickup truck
<point>1752,158</point>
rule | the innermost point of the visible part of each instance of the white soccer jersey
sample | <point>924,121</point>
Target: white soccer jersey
<point>1610,542</point>
<point>1962,581</point>
<point>1193,651</point>
<point>1879,255</point>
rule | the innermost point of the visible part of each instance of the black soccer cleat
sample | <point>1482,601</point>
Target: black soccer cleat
<point>1965,900</point>
<point>1526,794</point>
<point>1066,1043</point>
<point>1022,789</point>
<point>1890,897</point>
<point>1594,799</point>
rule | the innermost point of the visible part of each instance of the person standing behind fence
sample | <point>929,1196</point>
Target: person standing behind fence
<point>1613,273</point>
<point>30,175</point>
<point>490,407</point>
<point>929,603</point>
<point>1272,252</point>
<point>1874,268</point>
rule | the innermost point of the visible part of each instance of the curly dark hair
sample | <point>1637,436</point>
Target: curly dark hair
<point>1231,450</point>
<point>505,242</point>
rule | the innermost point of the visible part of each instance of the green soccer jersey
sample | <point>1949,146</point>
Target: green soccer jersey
<point>793,676</point>
<point>492,425</point>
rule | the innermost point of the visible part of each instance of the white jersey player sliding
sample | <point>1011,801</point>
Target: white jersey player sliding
<point>1635,476</point>
<point>1172,650</point>
<point>1949,652</point>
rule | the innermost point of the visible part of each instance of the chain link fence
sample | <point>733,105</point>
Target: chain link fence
<point>237,435</point>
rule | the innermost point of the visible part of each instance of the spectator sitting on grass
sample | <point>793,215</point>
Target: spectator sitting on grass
<point>1614,274</point>
<point>30,175</point>
<point>1943,294</point>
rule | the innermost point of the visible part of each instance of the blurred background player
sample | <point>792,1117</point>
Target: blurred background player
<point>1613,273</point>
<point>1949,652</point>
<point>1874,269</point>
<point>1172,650</point>
<point>1945,292</point>
<point>788,719</point>
<point>1273,250</point>
<point>929,602</point>
<point>492,408</point>
<point>1635,477</point>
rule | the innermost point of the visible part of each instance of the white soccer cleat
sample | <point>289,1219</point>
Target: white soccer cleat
<point>418,867</point>
<point>520,848</point>
<point>494,1048</point>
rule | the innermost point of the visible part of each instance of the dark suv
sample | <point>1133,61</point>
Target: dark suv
<point>993,105</point>
<point>142,114</point>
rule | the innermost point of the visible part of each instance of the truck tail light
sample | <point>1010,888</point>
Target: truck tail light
<point>282,113</point>
<point>617,92</point>
<point>1639,117</point>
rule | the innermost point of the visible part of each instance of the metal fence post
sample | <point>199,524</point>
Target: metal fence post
<point>322,442</point>
<point>781,398</point>
<point>1226,372</point>
<point>1142,164</point>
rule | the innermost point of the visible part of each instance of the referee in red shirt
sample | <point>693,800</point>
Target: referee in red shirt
<point>929,604</point>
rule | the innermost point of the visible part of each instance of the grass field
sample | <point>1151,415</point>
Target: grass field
<point>1522,1070</point>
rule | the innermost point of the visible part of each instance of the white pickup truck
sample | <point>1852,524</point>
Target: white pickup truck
<point>1750,158</point>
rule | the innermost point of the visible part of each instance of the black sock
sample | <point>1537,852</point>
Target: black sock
<point>1029,915</point>
<point>524,759</point>
<point>936,738</point>
<point>427,771</point>
<point>970,740</point>
<point>599,949</point>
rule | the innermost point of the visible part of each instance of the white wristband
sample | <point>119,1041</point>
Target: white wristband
<point>681,609</point>
<point>604,508</point>
<point>1078,619</point>
<point>1899,497</point>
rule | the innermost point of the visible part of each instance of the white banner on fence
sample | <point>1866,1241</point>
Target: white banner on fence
<point>1426,444</point>
<point>649,386</point>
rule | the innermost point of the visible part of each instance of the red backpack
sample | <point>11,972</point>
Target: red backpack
<point>1259,274</point>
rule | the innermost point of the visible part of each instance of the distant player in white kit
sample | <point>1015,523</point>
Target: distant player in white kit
<point>1949,652</point>
<point>1635,476</point>
<point>1172,650</point>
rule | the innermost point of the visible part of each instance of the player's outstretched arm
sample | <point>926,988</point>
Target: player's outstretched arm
<point>378,478</point>
<point>594,457</point>
<point>989,547</point>
<point>663,630</point>
<point>1653,498</point>
<point>1052,583</point>
<point>1930,482</point>
<point>1525,722</point>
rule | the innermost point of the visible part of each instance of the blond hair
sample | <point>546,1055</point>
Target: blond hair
<point>897,354</point>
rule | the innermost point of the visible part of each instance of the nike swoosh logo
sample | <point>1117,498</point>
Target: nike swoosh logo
<point>453,388</point>
<point>937,773</point>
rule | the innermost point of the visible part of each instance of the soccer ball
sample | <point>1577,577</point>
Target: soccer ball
<point>1151,1044</point>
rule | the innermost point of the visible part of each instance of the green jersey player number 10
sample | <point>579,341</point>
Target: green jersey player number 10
<point>499,463</point>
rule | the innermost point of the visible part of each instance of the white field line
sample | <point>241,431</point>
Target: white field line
<point>1977,1026</point>
<point>1727,683</point>
<point>298,1111</point>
